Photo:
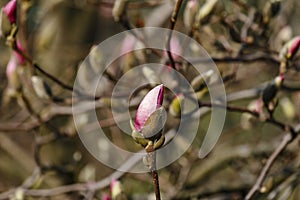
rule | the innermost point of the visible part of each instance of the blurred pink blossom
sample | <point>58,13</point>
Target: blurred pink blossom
<point>10,9</point>
<point>11,67</point>
<point>105,197</point>
<point>175,48</point>
<point>20,58</point>
<point>128,44</point>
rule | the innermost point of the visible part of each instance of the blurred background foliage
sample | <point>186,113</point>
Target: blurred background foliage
<point>59,34</point>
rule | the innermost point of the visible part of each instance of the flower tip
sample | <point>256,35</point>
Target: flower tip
<point>160,94</point>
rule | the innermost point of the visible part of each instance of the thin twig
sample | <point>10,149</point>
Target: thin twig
<point>36,66</point>
<point>239,58</point>
<point>152,159</point>
<point>87,186</point>
<point>172,26</point>
<point>287,138</point>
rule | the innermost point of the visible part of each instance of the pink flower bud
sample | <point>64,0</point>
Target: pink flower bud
<point>289,50</point>
<point>295,43</point>
<point>117,192</point>
<point>21,59</point>
<point>151,102</point>
<point>11,67</point>
<point>190,12</point>
<point>10,9</point>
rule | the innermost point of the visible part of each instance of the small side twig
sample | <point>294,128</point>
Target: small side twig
<point>37,67</point>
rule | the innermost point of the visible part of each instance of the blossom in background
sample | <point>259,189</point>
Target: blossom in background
<point>8,17</point>
<point>105,197</point>
<point>10,10</point>
<point>117,191</point>
<point>11,67</point>
<point>190,13</point>
<point>20,58</point>
<point>175,48</point>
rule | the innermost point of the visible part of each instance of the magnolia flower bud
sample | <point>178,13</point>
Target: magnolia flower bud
<point>10,9</point>
<point>201,93</point>
<point>190,12</point>
<point>289,50</point>
<point>41,88</point>
<point>288,108</point>
<point>271,9</point>
<point>118,9</point>
<point>96,60</point>
<point>204,12</point>
<point>150,119</point>
<point>200,81</point>
<point>247,120</point>
<point>117,191</point>
<point>8,17</point>
<point>176,106</point>
<point>12,76</point>
<point>267,185</point>
<point>271,90</point>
